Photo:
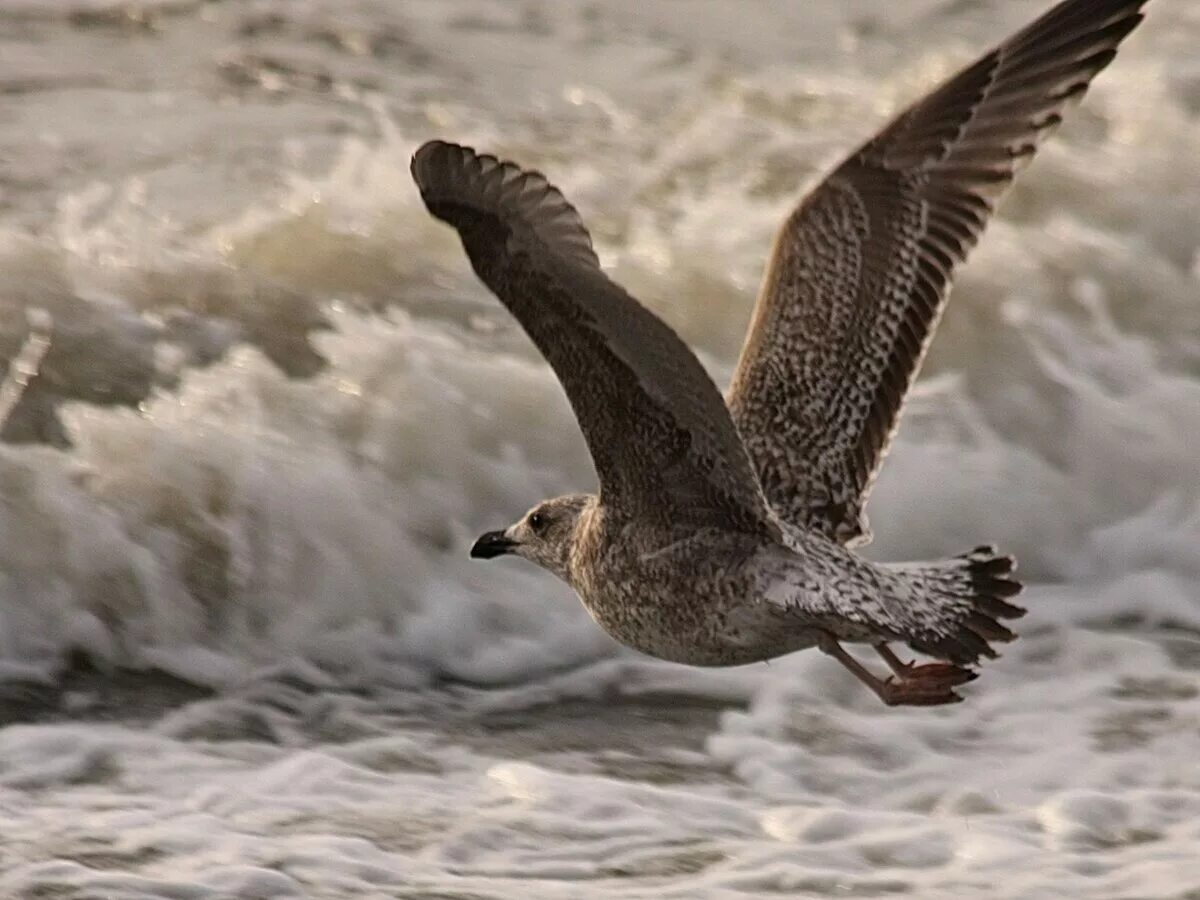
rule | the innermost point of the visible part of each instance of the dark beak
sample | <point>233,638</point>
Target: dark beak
<point>491,545</point>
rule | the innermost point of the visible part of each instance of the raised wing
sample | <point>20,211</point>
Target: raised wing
<point>659,433</point>
<point>860,271</point>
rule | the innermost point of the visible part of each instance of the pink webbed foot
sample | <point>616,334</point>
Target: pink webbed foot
<point>930,684</point>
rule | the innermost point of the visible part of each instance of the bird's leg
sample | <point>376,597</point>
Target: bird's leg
<point>828,644</point>
<point>894,662</point>
<point>920,691</point>
<point>945,674</point>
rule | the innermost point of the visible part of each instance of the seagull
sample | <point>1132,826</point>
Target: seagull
<point>723,530</point>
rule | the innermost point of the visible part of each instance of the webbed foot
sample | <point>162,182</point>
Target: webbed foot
<point>930,684</point>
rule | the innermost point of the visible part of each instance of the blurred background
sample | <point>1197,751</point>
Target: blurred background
<point>243,652</point>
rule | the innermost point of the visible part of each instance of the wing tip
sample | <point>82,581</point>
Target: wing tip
<point>423,159</point>
<point>452,177</point>
<point>443,172</point>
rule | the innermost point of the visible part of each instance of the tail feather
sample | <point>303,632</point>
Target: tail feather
<point>971,595</point>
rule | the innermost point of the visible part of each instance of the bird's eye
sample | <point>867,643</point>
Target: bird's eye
<point>537,521</point>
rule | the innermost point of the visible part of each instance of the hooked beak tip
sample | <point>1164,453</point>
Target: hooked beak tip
<point>491,545</point>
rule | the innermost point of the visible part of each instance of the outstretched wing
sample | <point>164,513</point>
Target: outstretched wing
<point>660,436</point>
<point>860,271</point>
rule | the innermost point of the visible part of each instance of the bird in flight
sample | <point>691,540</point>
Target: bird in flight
<point>722,530</point>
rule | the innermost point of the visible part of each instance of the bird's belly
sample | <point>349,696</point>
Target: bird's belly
<point>679,629</point>
<point>697,599</point>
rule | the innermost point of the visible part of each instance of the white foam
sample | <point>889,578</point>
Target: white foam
<point>298,544</point>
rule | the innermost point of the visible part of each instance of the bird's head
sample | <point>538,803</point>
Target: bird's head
<point>544,535</point>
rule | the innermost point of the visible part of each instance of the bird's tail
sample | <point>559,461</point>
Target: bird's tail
<point>963,601</point>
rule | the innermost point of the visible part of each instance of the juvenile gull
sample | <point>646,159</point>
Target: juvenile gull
<point>721,532</point>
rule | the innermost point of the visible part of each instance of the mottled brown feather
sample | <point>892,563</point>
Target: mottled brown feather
<point>860,271</point>
<point>664,446</point>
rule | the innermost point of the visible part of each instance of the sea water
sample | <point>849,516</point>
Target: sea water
<point>243,652</point>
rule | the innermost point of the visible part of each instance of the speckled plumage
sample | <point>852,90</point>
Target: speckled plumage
<point>720,533</point>
<point>860,271</point>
